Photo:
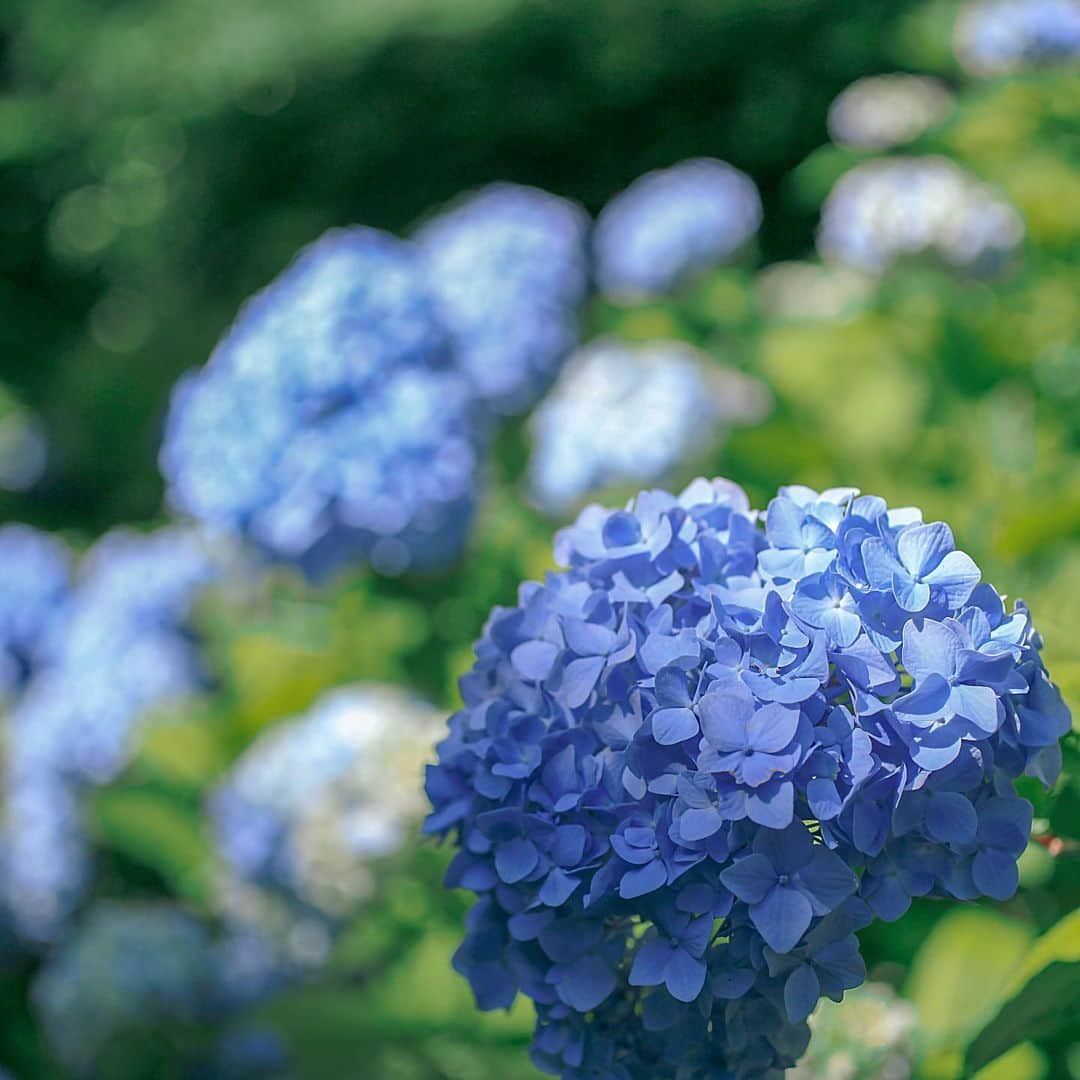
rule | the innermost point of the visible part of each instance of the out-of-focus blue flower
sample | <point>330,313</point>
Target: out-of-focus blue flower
<point>881,111</point>
<point>306,813</point>
<point>693,763</point>
<point>508,271</point>
<point>626,414</point>
<point>671,223</point>
<point>35,571</point>
<point>125,969</point>
<point>118,647</point>
<point>926,207</point>
<point>329,423</point>
<point>995,37</point>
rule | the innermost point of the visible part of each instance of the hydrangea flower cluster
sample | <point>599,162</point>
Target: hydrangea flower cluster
<point>623,413</point>
<point>691,764</point>
<point>671,223</point>
<point>881,111</point>
<point>996,37</point>
<point>311,804</point>
<point>117,647</point>
<point>329,422</point>
<point>35,571</point>
<point>124,969</point>
<point>927,207</point>
<point>508,269</point>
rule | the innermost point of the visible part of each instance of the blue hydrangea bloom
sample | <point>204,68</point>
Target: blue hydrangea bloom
<point>881,111</point>
<point>671,223</point>
<point>118,647</point>
<point>508,269</point>
<point>304,815</point>
<point>126,968</point>
<point>693,763</point>
<point>926,208</point>
<point>629,414</point>
<point>996,37</point>
<point>329,422</point>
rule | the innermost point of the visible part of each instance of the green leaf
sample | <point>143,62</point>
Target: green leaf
<point>958,978</point>
<point>158,832</point>
<point>1038,996</point>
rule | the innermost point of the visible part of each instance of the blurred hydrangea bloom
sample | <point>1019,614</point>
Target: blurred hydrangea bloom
<point>869,1036</point>
<point>328,423</point>
<point>126,969</point>
<point>996,37</point>
<point>118,647</point>
<point>885,210</point>
<point>622,413</point>
<point>35,571</point>
<point>508,271</point>
<point>671,223</point>
<point>693,763</point>
<point>312,804</point>
<point>880,111</point>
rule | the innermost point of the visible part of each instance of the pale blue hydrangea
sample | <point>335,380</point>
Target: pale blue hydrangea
<point>996,37</point>
<point>304,816</point>
<point>624,413</point>
<point>690,765</point>
<point>126,969</point>
<point>672,223</point>
<point>918,207</point>
<point>508,269</point>
<point>881,111</point>
<point>118,648</point>
<point>329,423</point>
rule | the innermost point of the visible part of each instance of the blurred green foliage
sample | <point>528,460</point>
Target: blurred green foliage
<point>163,159</point>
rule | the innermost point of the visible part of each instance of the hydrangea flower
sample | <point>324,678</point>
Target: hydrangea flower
<point>996,37</point>
<point>35,571</point>
<point>329,423</point>
<point>694,762</point>
<point>928,207</point>
<point>118,647</point>
<point>126,968</point>
<point>881,111</point>
<point>625,414</point>
<point>671,223</point>
<point>309,808</point>
<point>508,269</point>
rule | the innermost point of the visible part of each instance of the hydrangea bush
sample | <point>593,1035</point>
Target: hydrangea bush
<point>508,269</point>
<point>998,37</point>
<point>896,208</point>
<point>672,223</point>
<point>329,423</point>
<point>690,765</point>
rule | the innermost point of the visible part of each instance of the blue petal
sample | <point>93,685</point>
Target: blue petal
<point>801,993</point>
<point>772,806</point>
<point>772,727</point>
<point>534,659</point>
<point>979,704</point>
<point>926,701</point>
<point>579,679</point>
<point>671,726</point>
<point>644,879</point>
<point>515,859</point>
<point>558,888</point>
<point>950,818</point>
<point>931,649</point>
<point>956,576</point>
<point>724,718</point>
<point>995,874</point>
<point>698,824</point>
<point>685,976</point>
<point>879,562</point>
<point>781,917</point>
<point>922,547</point>
<point>910,594</point>
<point>585,983</point>
<point>650,962</point>
<point>750,878</point>
<point>828,880</point>
<point>824,799</point>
